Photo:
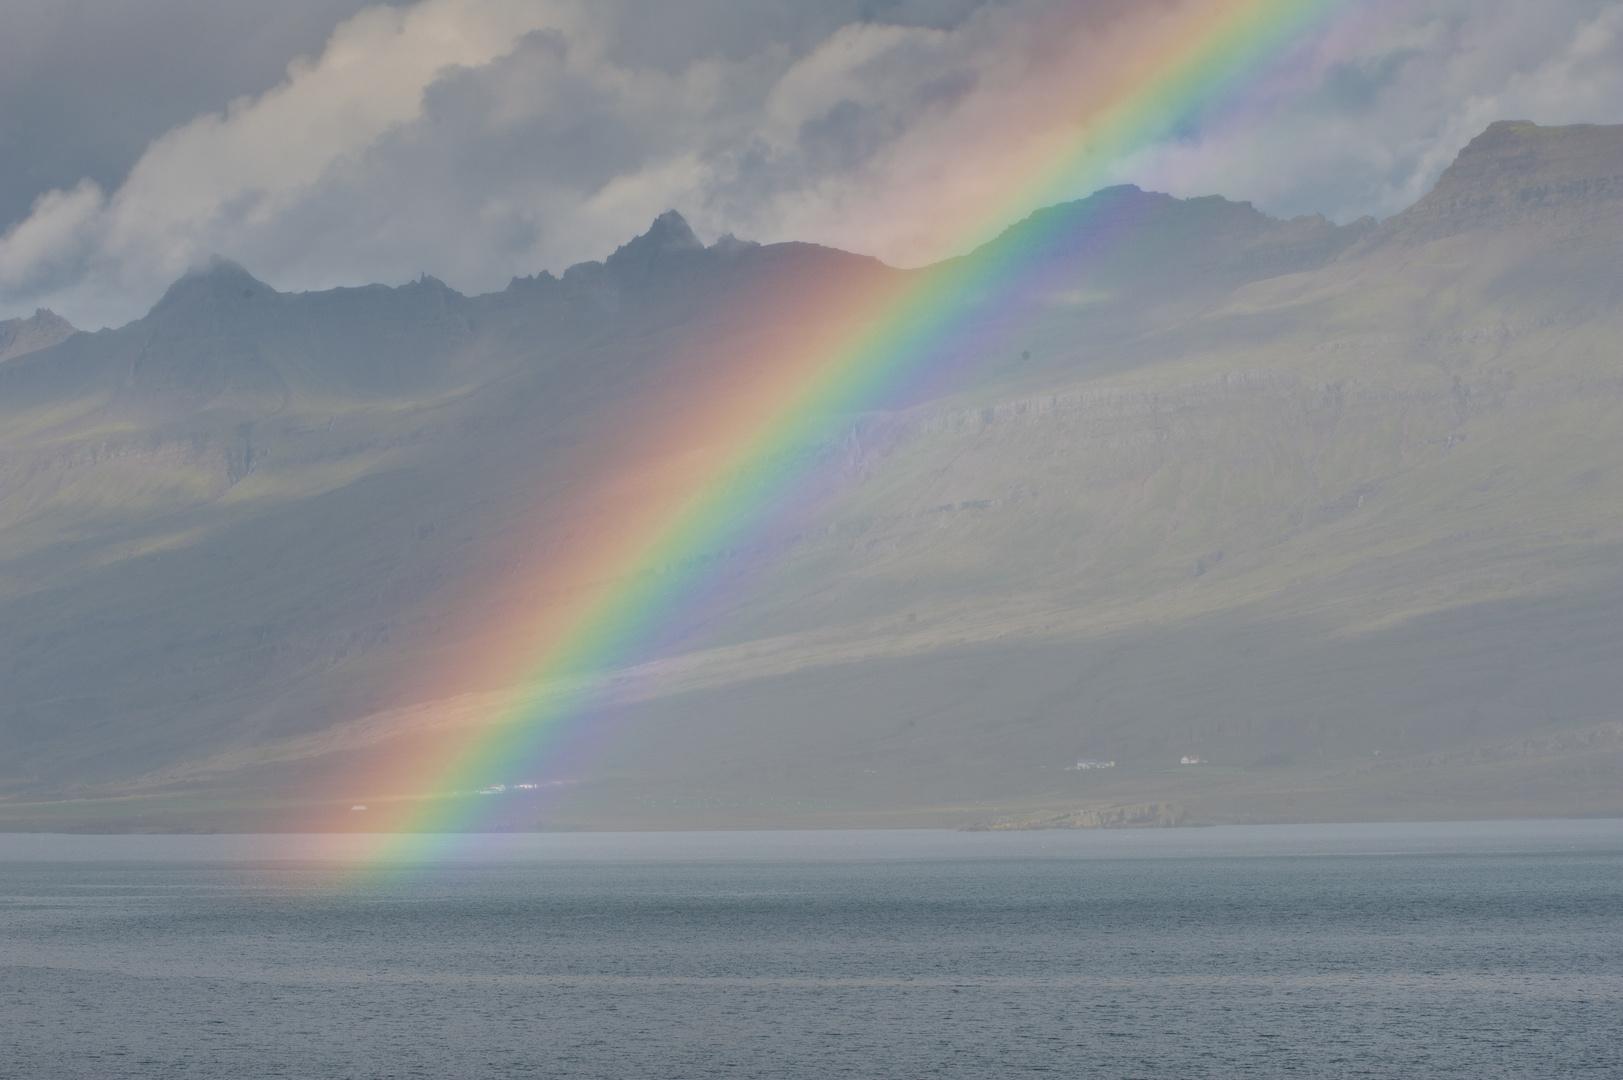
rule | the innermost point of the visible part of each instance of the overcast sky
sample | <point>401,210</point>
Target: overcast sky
<point>330,142</point>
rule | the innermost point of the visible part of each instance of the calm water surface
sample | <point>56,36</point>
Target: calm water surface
<point>1476,950</point>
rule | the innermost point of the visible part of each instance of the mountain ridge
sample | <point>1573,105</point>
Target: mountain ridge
<point>1230,467</point>
<point>39,331</point>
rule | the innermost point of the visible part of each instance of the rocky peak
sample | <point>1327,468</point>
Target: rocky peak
<point>1516,172</point>
<point>40,331</point>
<point>728,244</point>
<point>218,283</point>
<point>669,240</point>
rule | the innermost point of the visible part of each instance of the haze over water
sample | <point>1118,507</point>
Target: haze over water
<point>1479,949</point>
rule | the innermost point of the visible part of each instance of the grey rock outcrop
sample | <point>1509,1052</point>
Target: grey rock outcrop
<point>39,331</point>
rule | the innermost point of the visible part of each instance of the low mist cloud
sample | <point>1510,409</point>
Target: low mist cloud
<point>478,139</point>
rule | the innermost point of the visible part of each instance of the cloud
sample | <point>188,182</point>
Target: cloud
<point>85,85</point>
<point>477,139</point>
<point>1382,118</point>
<point>223,179</point>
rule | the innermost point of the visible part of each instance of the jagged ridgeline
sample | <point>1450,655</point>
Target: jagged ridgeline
<point>41,331</point>
<point>1336,512</point>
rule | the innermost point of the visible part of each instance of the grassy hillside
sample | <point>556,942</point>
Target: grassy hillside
<point>1338,510</point>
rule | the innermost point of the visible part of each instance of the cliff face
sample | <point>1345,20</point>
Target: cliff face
<point>1515,173</point>
<point>1338,509</point>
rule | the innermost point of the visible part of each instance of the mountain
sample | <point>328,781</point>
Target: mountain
<point>41,331</point>
<point>1335,509</point>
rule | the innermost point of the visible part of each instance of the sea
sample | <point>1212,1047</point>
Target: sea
<point>1477,950</point>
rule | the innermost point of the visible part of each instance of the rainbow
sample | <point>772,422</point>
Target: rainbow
<point>707,479</point>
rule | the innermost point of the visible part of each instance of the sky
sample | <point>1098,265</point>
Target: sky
<point>331,142</point>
